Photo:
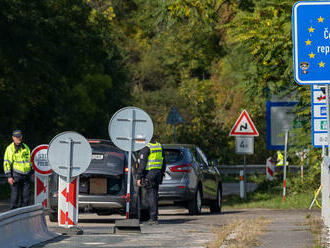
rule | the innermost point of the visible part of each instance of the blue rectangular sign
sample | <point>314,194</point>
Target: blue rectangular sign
<point>311,42</point>
<point>279,115</point>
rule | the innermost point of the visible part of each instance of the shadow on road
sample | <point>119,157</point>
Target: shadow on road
<point>175,221</point>
<point>102,221</point>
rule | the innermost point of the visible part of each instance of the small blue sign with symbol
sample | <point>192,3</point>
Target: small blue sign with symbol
<point>323,111</point>
<point>311,42</point>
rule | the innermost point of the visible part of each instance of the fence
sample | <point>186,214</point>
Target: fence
<point>251,169</point>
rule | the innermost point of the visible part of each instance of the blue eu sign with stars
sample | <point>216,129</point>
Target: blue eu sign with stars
<point>311,42</point>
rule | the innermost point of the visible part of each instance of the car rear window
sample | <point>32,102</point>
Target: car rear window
<point>173,155</point>
<point>106,159</point>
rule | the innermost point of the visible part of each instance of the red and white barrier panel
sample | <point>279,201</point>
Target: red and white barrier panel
<point>68,202</point>
<point>270,169</point>
<point>42,171</point>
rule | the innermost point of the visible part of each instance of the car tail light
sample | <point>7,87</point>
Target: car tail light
<point>94,141</point>
<point>181,168</point>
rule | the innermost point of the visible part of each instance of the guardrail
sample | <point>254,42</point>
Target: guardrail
<point>251,169</point>
<point>24,227</point>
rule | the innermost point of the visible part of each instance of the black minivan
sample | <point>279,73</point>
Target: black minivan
<point>103,185</point>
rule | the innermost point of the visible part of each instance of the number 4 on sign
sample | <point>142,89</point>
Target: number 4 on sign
<point>244,126</point>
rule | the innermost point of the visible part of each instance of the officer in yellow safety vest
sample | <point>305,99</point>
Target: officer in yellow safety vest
<point>279,160</point>
<point>150,174</point>
<point>17,167</point>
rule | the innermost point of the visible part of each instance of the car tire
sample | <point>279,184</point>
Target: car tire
<point>195,204</point>
<point>215,206</point>
<point>53,217</point>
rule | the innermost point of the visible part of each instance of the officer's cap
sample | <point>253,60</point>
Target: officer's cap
<point>17,133</point>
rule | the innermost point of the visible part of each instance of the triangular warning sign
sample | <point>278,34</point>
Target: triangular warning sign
<point>244,126</point>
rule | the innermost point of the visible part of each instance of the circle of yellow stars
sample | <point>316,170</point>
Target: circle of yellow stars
<point>309,42</point>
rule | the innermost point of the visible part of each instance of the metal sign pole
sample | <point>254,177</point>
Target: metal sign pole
<point>129,164</point>
<point>284,163</point>
<point>328,115</point>
<point>244,175</point>
<point>174,133</point>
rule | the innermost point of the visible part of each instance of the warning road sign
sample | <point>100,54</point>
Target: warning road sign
<point>244,126</point>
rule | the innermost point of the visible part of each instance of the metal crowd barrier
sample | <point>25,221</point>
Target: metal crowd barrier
<point>24,227</point>
<point>251,169</point>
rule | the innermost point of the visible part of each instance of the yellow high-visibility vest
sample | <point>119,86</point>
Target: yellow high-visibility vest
<point>155,158</point>
<point>19,161</point>
<point>280,159</point>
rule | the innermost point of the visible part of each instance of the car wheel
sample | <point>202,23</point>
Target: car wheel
<point>53,217</point>
<point>195,205</point>
<point>215,206</point>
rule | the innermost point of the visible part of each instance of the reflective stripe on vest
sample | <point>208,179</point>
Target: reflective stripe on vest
<point>155,158</point>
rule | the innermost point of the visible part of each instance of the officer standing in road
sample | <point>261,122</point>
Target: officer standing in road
<point>150,174</point>
<point>18,169</point>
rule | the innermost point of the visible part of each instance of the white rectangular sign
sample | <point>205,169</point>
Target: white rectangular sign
<point>320,125</point>
<point>320,139</point>
<point>244,145</point>
<point>318,97</point>
<point>319,116</point>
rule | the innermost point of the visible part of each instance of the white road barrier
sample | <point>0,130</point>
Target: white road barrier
<point>24,227</point>
<point>270,169</point>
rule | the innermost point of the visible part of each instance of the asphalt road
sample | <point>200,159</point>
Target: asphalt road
<point>178,229</point>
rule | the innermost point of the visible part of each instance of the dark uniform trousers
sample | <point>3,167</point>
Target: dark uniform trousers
<point>22,185</point>
<point>155,178</point>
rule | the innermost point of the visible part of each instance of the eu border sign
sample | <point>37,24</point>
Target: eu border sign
<point>311,42</point>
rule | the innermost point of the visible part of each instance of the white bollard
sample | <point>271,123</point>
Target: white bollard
<point>241,184</point>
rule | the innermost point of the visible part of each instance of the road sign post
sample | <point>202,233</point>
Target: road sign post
<point>42,172</point>
<point>69,155</point>
<point>130,129</point>
<point>174,118</point>
<point>244,130</point>
<point>310,21</point>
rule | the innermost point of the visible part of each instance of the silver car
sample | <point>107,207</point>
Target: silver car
<point>190,180</point>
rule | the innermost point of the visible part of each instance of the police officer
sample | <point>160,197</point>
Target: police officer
<point>279,160</point>
<point>151,171</point>
<point>17,167</point>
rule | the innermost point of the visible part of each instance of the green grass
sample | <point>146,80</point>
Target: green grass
<point>269,195</point>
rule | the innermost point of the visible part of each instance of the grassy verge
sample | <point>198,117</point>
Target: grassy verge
<point>315,224</point>
<point>269,195</point>
<point>240,233</point>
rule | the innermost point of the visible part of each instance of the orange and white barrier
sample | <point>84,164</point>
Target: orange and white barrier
<point>270,169</point>
<point>68,202</point>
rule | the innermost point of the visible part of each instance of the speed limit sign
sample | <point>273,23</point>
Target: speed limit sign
<point>244,145</point>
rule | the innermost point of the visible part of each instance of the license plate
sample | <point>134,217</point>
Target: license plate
<point>97,156</point>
